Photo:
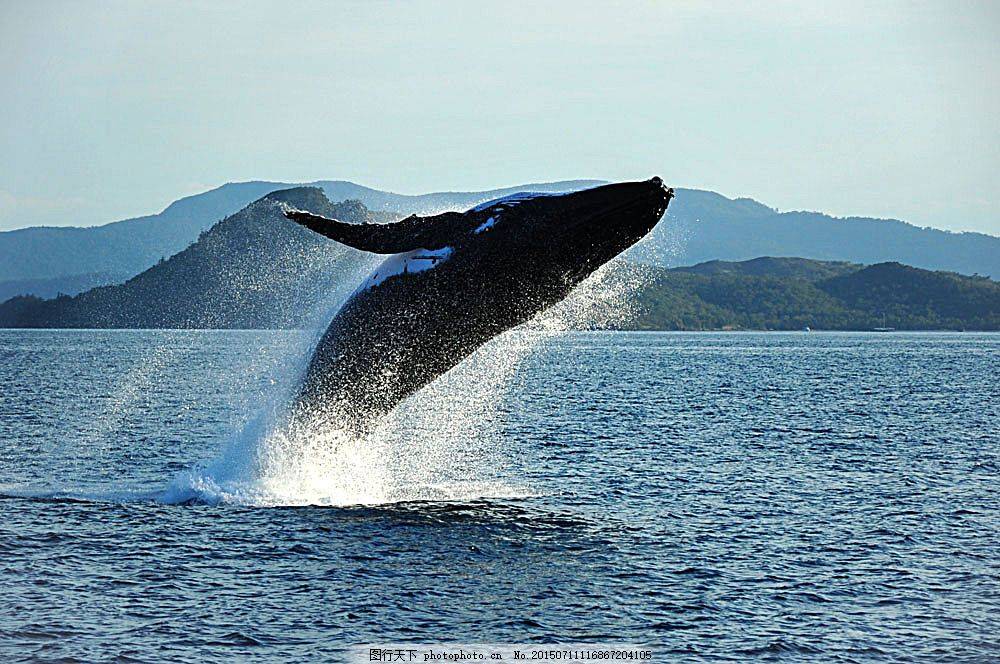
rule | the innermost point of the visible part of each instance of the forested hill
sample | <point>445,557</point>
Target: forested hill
<point>253,269</point>
<point>794,293</point>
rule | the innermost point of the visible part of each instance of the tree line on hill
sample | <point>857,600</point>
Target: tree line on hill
<point>765,294</point>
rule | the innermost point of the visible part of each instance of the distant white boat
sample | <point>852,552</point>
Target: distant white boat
<point>883,328</point>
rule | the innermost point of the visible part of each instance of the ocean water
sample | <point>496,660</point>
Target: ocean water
<point>815,497</point>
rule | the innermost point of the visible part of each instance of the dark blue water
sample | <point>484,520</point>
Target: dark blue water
<point>823,497</point>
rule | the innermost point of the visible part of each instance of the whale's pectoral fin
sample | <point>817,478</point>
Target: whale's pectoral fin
<point>411,233</point>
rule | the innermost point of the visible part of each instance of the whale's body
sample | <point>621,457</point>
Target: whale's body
<point>454,281</point>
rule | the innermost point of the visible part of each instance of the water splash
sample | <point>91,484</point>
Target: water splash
<point>605,300</point>
<point>443,443</point>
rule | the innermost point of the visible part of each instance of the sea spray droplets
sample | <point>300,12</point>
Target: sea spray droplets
<point>663,245</point>
<point>605,300</point>
<point>442,443</point>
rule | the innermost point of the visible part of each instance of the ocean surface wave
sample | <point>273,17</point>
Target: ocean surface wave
<point>813,497</point>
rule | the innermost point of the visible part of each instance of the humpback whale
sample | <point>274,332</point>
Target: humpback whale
<point>456,280</point>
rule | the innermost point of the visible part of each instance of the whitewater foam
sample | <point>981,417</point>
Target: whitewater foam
<point>441,444</point>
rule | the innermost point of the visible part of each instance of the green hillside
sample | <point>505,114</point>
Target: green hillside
<point>794,293</point>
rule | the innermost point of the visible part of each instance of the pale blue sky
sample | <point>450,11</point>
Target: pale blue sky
<point>114,109</point>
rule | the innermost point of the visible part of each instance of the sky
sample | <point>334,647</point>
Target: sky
<point>110,110</point>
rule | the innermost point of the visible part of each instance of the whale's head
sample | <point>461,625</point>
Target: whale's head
<point>575,232</point>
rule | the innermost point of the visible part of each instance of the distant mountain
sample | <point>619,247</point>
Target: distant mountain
<point>792,293</point>
<point>706,226</point>
<point>54,286</point>
<point>442,201</point>
<point>125,248</point>
<point>256,269</point>
<point>702,226</point>
<point>253,269</point>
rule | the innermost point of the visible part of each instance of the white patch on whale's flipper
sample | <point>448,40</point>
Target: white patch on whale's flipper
<point>486,225</point>
<point>409,262</point>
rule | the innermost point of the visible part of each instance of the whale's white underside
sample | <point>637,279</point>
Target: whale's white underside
<point>410,262</point>
<point>486,225</point>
